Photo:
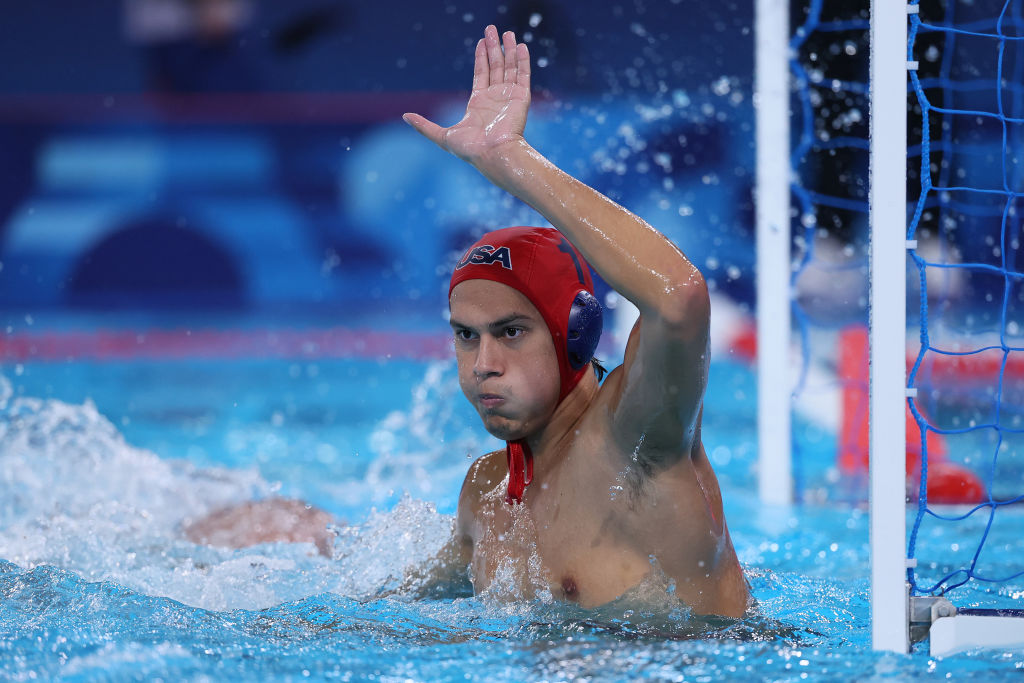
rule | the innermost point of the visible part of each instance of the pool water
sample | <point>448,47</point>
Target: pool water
<point>102,462</point>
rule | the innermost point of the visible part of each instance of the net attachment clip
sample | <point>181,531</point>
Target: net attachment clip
<point>924,610</point>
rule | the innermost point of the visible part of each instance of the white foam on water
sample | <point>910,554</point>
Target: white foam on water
<point>423,450</point>
<point>68,461</point>
<point>382,553</point>
<point>139,658</point>
<point>75,495</point>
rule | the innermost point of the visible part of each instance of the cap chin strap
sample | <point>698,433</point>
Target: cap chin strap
<point>585,323</point>
<point>520,469</point>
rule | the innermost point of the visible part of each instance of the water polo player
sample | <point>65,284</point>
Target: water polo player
<point>600,485</point>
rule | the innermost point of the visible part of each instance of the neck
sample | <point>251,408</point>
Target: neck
<point>561,428</point>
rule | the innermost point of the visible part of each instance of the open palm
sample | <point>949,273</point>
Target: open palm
<point>496,113</point>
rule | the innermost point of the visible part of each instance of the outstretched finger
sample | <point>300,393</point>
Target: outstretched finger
<point>494,56</point>
<point>426,128</point>
<point>523,65</point>
<point>508,41</point>
<point>480,76</point>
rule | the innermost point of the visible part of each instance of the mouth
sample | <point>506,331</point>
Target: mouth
<point>490,401</point>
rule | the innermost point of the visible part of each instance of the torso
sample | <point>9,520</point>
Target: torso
<point>592,527</point>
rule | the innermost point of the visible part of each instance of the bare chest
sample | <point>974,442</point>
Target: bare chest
<point>589,532</point>
<point>557,550</point>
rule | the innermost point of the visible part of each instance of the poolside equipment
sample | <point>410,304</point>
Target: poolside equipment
<point>947,483</point>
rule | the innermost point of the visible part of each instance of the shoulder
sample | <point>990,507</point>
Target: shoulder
<point>485,474</point>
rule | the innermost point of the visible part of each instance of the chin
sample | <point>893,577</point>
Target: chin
<point>502,428</point>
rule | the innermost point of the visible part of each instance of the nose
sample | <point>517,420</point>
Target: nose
<point>488,358</point>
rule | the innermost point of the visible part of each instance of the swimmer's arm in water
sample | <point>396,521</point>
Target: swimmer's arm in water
<point>272,520</point>
<point>447,573</point>
<point>659,390</point>
<point>443,576</point>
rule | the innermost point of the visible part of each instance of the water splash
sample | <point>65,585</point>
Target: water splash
<point>383,554</point>
<point>518,577</point>
<point>74,495</point>
<point>423,449</point>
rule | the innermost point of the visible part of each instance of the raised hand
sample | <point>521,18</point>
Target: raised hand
<point>496,113</point>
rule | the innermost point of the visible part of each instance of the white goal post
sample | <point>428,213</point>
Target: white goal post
<point>774,388</point>
<point>887,315</point>
<point>896,617</point>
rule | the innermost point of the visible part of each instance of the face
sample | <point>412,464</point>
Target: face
<point>507,364</point>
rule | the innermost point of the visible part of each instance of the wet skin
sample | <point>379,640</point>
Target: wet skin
<point>598,521</point>
<point>622,486</point>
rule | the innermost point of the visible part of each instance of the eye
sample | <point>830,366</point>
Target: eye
<point>513,332</point>
<point>463,335</point>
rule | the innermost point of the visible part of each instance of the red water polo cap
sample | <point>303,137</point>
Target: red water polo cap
<point>541,264</point>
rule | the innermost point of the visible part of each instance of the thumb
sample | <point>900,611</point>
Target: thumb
<point>426,128</point>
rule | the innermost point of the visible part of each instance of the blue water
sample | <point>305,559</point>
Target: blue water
<point>101,464</point>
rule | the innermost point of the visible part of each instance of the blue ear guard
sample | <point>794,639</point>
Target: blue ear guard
<point>585,322</point>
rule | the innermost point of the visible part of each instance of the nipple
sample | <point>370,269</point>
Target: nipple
<point>569,589</point>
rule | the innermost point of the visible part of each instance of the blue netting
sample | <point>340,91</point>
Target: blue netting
<point>965,178</point>
<point>828,63</point>
<point>969,107</point>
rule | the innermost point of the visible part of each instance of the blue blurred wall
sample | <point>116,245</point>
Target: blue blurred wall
<point>270,168</point>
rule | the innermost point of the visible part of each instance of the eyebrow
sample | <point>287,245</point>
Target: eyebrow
<point>501,322</point>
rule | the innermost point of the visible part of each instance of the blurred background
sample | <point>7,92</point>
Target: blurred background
<point>219,163</point>
<point>216,229</point>
<point>223,275</point>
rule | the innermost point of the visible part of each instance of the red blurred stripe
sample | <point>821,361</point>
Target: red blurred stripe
<point>228,108</point>
<point>163,344</point>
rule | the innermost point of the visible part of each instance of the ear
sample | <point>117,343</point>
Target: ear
<point>586,321</point>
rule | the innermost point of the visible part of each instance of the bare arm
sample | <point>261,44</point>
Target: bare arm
<point>447,572</point>
<point>659,394</point>
<point>444,575</point>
